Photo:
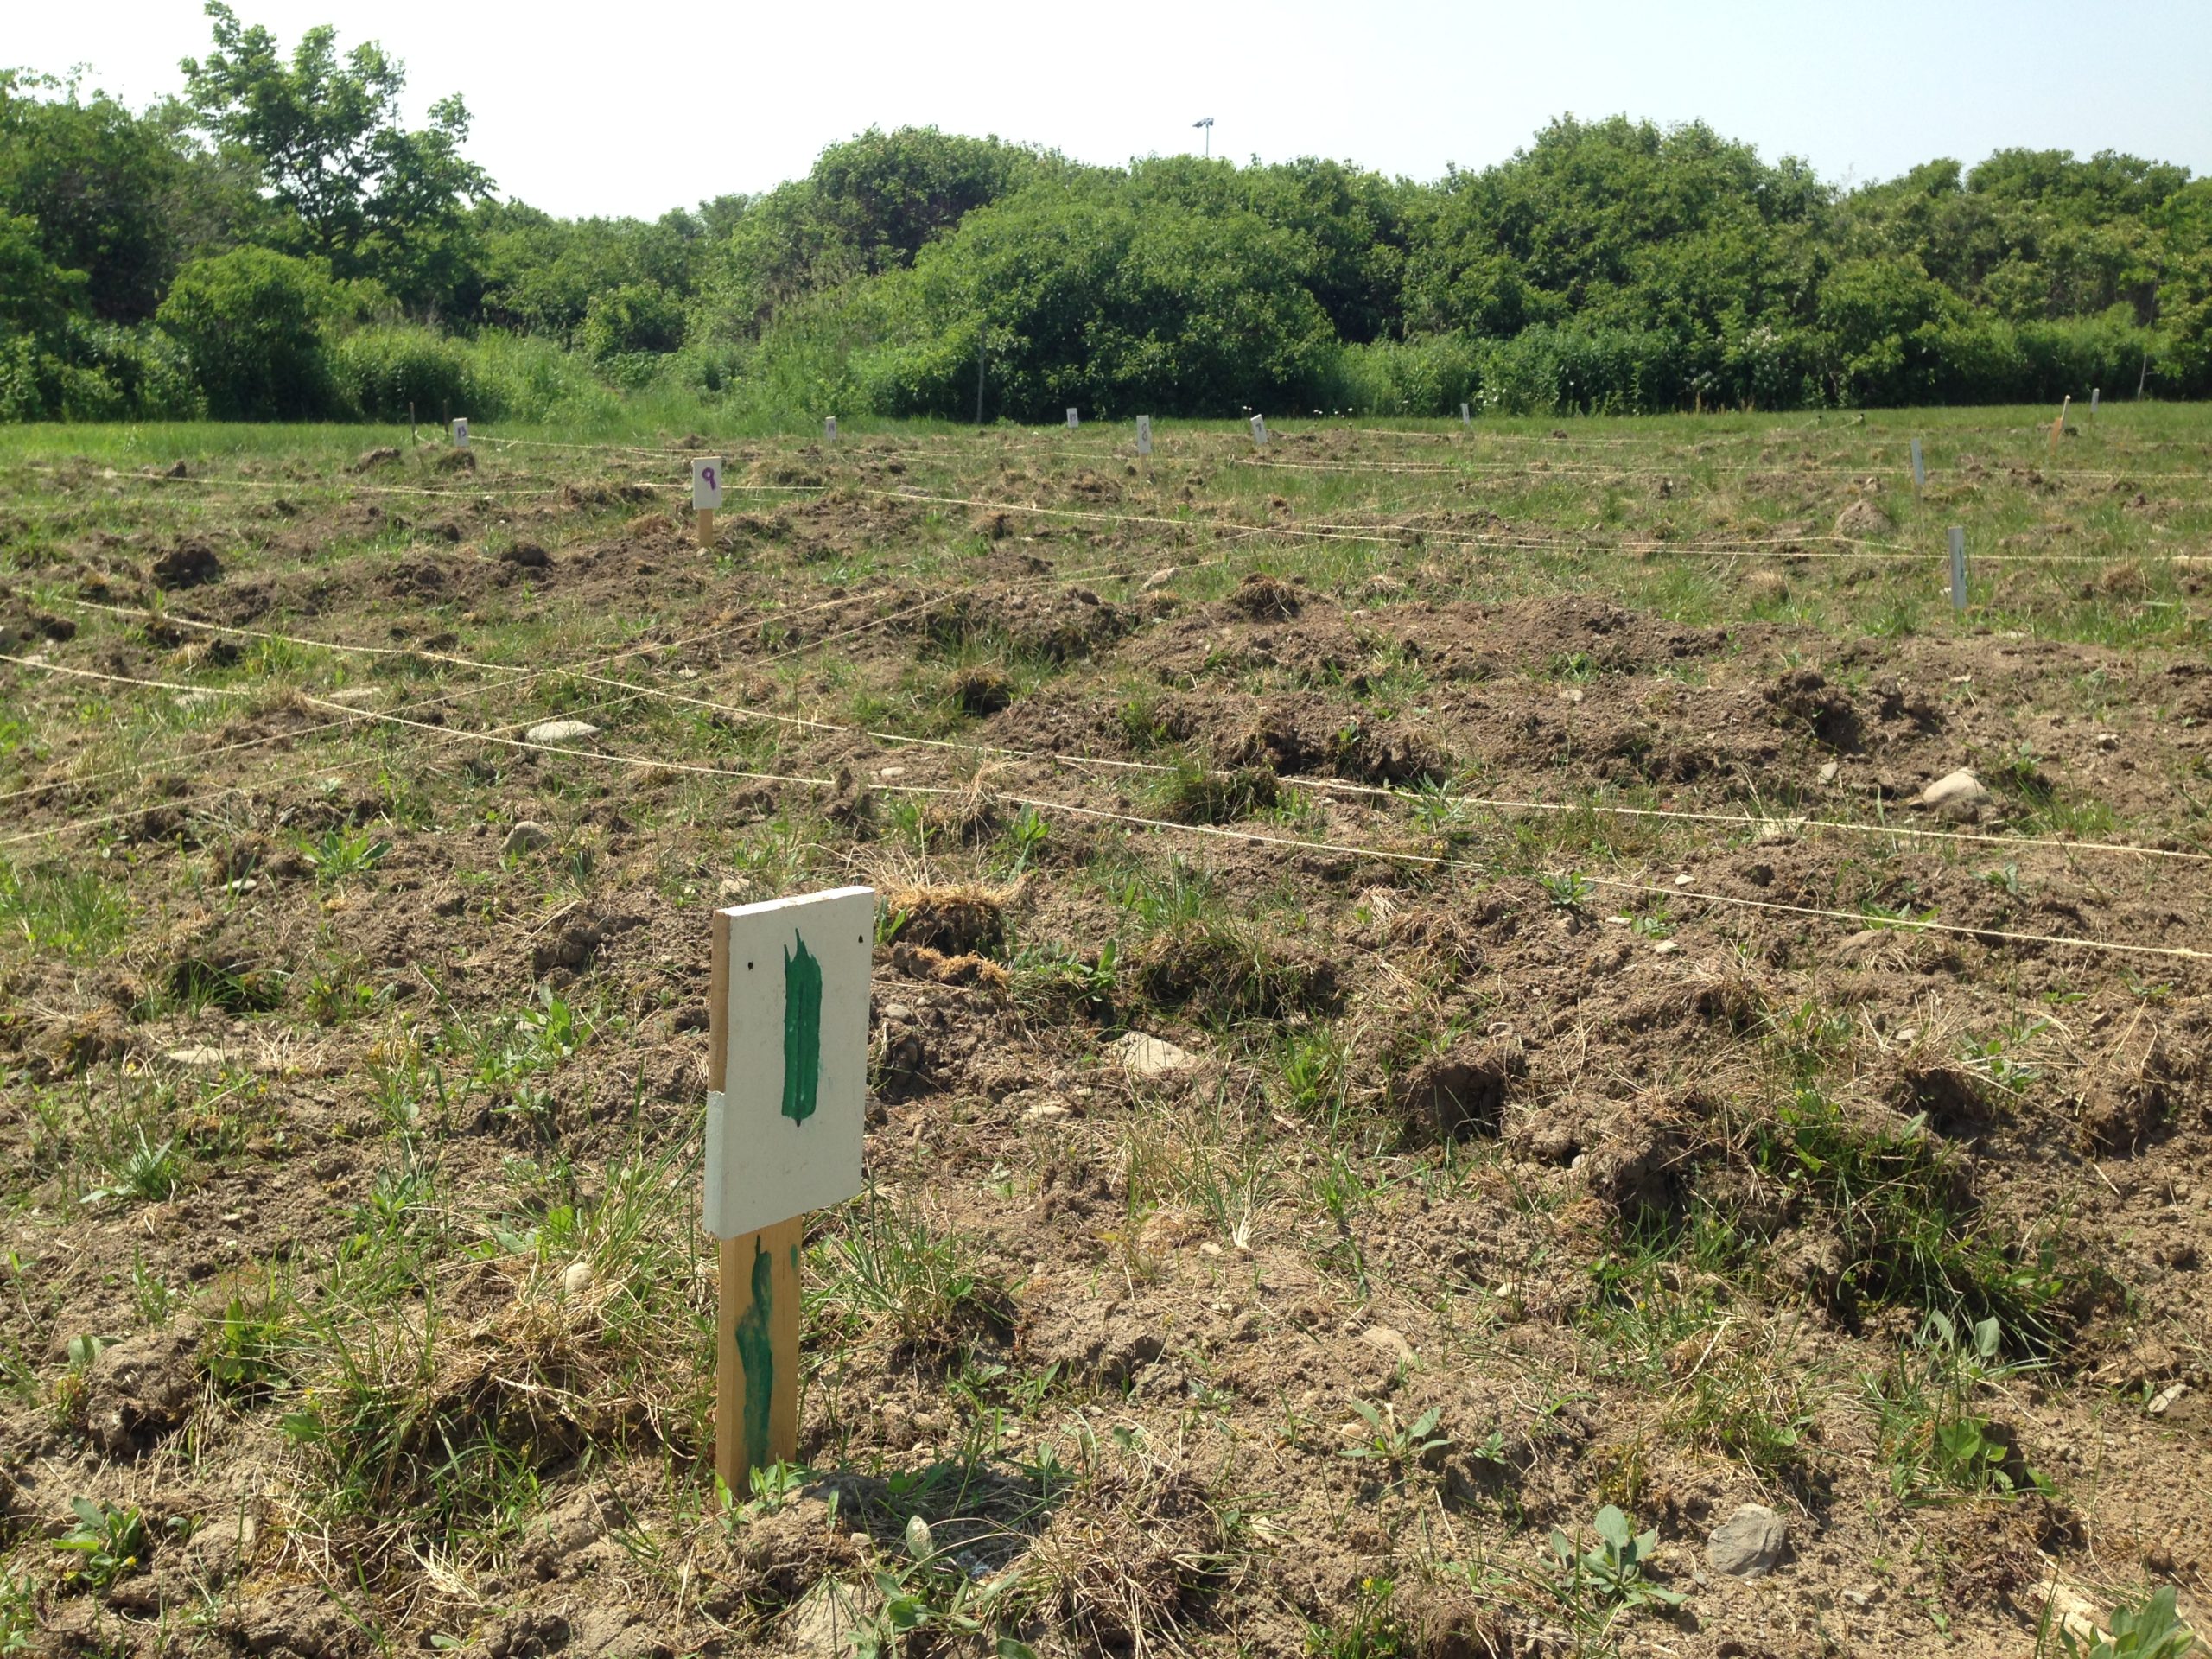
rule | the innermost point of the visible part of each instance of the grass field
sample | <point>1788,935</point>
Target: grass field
<point>1592,1078</point>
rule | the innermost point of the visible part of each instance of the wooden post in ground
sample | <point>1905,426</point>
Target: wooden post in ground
<point>786,1079</point>
<point>2058,426</point>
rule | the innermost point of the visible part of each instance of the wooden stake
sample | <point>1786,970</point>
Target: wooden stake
<point>2058,426</point>
<point>706,496</point>
<point>756,1324</point>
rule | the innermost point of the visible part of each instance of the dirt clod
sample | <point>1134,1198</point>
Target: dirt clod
<point>188,564</point>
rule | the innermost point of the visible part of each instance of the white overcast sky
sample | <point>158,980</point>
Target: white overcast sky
<point>614,109</point>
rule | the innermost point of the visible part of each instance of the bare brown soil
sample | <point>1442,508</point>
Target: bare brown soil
<point>1638,1146</point>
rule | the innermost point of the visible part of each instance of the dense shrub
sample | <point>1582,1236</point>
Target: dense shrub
<point>250,323</point>
<point>380,374</point>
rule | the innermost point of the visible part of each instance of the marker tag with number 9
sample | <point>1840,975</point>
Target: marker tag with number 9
<point>706,484</point>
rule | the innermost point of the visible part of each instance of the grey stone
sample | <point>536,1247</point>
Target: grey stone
<point>1146,1056</point>
<point>829,1620</point>
<point>1961,788</point>
<point>1748,1543</point>
<point>561,731</point>
<point>526,838</point>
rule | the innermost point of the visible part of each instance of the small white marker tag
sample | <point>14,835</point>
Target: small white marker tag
<point>1919,468</point>
<point>1144,434</point>
<point>461,432</point>
<point>706,484</point>
<point>1074,420</point>
<point>830,428</point>
<point>1466,416</point>
<point>1260,431</point>
<point>1958,568</point>
<point>784,1135</point>
<point>2095,393</point>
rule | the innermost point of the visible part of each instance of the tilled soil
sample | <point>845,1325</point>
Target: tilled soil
<point>1381,1049</point>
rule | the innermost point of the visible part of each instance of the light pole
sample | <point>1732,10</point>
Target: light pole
<point>1208,125</point>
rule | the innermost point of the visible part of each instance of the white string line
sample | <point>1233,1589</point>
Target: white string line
<point>1303,781</point>
<point>651,763</point>
<point>1733,549</point>
<point>1346,786</point>
<point>355,716</point>
<point>530,492</point>
<point>359,716</point>
<point>1537,471</point>
<point>1788,824</point>
<point>1303,845</point>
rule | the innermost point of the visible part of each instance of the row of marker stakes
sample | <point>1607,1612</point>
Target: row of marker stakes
<point>706,474</point>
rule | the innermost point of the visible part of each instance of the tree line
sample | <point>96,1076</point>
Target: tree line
<point>276,243</point>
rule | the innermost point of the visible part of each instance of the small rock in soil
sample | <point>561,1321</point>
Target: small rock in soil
<point>1961,788</point>
<point>1748,1543</point>
<point>561,731</point>
<point>828,1622</point>
<point>1389,1341</point>
<point>1863,518</point>
<point>526,838</point>
<point>1146,1056</point>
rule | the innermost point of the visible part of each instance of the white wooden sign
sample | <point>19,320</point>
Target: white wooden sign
<point>783,1135</point>
<point>1958,568</point>
<point>706,484</point>
<point>2096,394</point>
<point>1466,416</point>
<point>1144,434</point>
<point>1074,420</point>
<point>1260,431</point>
<point>830,428</point>
<point>461,432</point>
<point>1919,468</point>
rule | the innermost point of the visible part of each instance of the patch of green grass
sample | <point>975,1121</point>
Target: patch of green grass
<point>141,1170</point>
<point>891,1274</point>
<point>1192,793</point>
<point>1905,1218</point>
<point>1935,1442</point>
<point>58,911</point>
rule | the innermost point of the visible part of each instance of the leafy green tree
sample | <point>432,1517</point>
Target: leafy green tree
<point>635,317</point>
<point>250,323</point>
<point>360,190</point>
<point>870,205</point>
<point>97,181</point>
<point>1094,298</point>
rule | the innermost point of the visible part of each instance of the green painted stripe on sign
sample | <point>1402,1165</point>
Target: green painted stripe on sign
<point>802,1031</point>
